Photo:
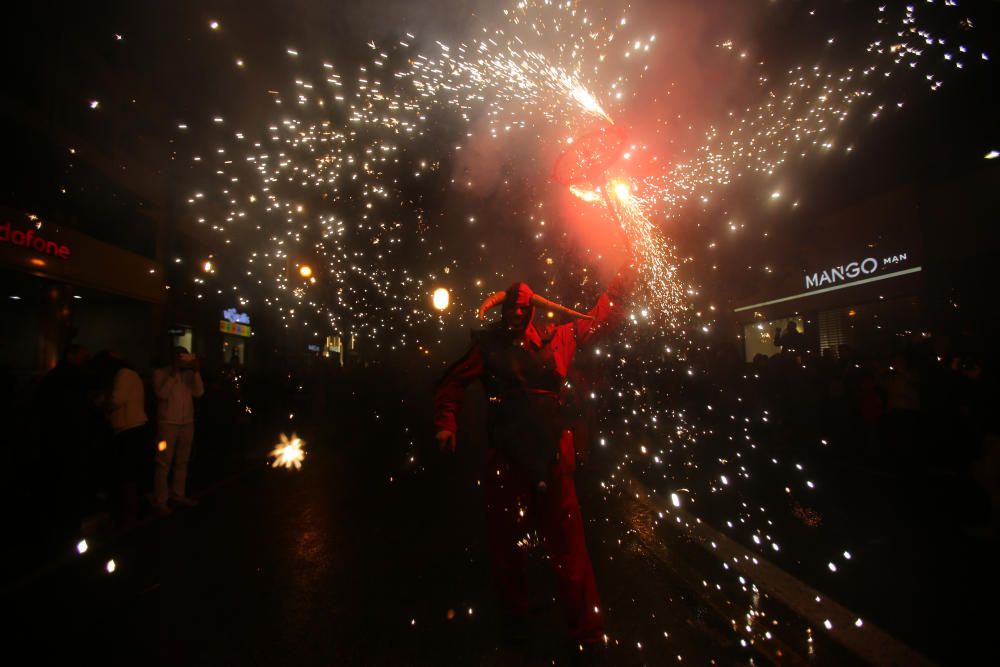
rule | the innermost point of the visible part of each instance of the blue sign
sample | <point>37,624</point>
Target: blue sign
<point>231,315</point>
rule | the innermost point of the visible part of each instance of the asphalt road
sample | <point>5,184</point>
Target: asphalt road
<point>375,554</point>
<point>342,563</point>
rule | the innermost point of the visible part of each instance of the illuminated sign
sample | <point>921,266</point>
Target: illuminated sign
<point>864,281</point>
<point>851,270</point>
<point>26,238</point>
<point>230,315</point>
<point>234,328</point>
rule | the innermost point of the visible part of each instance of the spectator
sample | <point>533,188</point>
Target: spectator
<point>64,417</point>
<point>790,340</point>
<point>903,406</point>
<point>130,445</point>
<point>176,388</point>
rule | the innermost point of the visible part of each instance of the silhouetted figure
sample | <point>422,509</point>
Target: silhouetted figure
<point>131,445</point>
<point>790,340</point>
<point>529,478</point>
<point>902,408</point>
<point>63,413</point>
<point>176,388</point>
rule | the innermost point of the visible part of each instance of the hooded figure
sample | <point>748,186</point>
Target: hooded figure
<point>530,459</point>
<point>523,379</point>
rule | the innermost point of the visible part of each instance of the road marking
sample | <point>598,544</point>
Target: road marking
<point>868,642</point>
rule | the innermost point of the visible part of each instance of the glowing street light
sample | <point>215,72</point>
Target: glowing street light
<point>441,298</point>
<point>305,271</point>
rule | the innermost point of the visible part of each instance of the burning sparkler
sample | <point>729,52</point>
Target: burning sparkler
<point>289,453</point>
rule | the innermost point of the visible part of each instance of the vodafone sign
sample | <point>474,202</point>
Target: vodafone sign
<point>27,238</point>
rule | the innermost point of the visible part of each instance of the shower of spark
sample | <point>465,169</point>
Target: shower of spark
<point>289,453</point>
<point>658,263</point>
<point>327,183</point>
<point>323,180</point>
<point>587,100</point>
<point>808,111</point>
<point>656,260</point>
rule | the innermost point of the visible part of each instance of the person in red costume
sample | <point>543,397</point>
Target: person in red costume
<point>530,460</point>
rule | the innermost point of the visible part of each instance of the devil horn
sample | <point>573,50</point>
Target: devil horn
<point>494,299</point>
<point>541,301</point>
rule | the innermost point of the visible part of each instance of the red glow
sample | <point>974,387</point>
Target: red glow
<point>585,162</point>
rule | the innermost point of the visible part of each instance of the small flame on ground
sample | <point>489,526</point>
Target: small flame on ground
<point>289,453</point>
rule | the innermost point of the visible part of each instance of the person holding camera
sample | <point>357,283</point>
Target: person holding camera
<point>176,388</point>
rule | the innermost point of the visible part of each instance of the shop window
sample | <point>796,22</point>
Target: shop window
<point>758,337</point>
<point>181,338</point>
<point>833,328</point>
<point>233,348</point>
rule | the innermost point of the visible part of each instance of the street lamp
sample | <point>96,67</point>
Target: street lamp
<point>441,298</point>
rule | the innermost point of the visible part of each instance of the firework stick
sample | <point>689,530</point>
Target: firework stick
<point>613,200</point>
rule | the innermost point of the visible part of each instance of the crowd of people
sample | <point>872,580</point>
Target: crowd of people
<point>918,407</point>
<point>107,447</point>
<point>97,446</point>
<point>103,446</point>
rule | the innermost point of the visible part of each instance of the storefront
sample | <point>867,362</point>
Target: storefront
<point>860,285</point>
<point>61,286</point>
<point>235,329</point>
<point>840,305</point>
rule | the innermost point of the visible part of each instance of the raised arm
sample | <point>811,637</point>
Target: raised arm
<point>610,309</point>
<point>449,392</point>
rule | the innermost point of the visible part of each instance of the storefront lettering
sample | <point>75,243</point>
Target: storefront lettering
<point>850,271</point>
<point>26,238</point>
<point>234,328</point>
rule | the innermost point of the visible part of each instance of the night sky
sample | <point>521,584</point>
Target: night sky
<point>471,218</point>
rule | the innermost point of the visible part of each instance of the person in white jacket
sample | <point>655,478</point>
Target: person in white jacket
<point>126,413</point>
<point>176,388</point>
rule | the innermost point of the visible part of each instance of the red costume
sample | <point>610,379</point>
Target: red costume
<point>530,462</point>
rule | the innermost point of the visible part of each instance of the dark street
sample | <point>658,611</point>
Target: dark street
<point>339,564</point>
<point>363,557</point>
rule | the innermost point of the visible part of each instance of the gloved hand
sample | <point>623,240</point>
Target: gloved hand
<point>446,440</point>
